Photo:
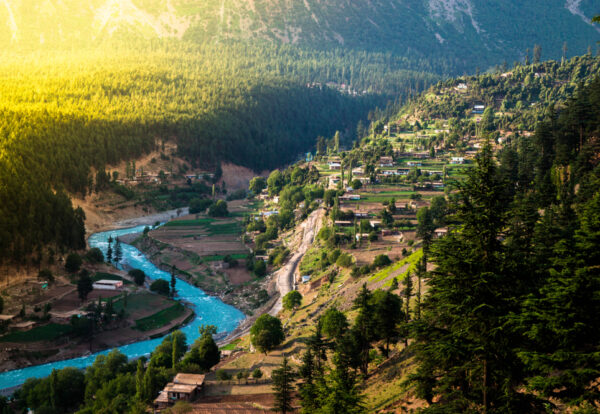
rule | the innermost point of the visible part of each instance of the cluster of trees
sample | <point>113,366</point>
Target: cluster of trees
<point>334,386</point>
<point>507,323</point>
<point>257,106</point>
<point>114,384</point>
<point>520,94</point>
<point>293,186</point>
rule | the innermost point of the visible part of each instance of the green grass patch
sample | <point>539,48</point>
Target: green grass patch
<point>41,333</point>
<point>311,262</point>
<point>379,197</point>
<point>387,271</point>
<point>219,257</point>
<point>231,346</point>
<point>160,319</point>
<point>225,228</point>
<point>135,302</point>
<point>190,223</point>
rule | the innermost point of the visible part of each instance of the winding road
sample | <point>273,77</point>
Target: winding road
<point>285,275</point>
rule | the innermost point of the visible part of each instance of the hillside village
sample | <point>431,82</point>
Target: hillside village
<point>373,208</point>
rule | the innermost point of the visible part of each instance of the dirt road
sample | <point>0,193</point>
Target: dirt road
<point>285,275</point>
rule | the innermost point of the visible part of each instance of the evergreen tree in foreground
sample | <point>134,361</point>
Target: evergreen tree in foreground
<point>561,320</point>
<point>283,384</point>
<point>465,355</point>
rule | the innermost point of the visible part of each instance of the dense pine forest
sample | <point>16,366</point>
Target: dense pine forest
<point>257,106</point>
<point>518,94</point>
<point>509,323</point>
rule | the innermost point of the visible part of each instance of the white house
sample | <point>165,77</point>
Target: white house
<point>105,284</point>
<point>441,232</point>
<point>478,109</point>
<point>457,160</point>
<point>386,162</point>
<point>269,213</point>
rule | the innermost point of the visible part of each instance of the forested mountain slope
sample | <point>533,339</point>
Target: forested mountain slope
<point>65,112</point>
<point>466,33</point>
<point>519,96</point>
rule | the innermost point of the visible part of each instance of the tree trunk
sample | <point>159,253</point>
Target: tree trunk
<point>485,402</point>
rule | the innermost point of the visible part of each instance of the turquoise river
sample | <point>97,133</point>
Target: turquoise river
<point>209,311</point>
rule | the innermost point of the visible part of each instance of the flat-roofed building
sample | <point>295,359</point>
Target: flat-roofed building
<point>106,284</point>
<point>185,387</point>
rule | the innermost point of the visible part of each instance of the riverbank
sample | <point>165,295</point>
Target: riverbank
<point>22,355</point>
<point>214,281</point>
<point>208,311</point>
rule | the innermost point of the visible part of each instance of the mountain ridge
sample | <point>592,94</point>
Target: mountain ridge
<point>493,30</point>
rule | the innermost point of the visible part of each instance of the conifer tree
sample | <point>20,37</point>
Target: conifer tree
<point>139,381</point>
<point>308,388</point>
<point>466,356</point>
<point>174,353</point>
<point>118,251</point>
<point>173,282</point>
<point>387,313</point>
<point>109,250</point>
<point>283,384</point>
<point>318,346</point>
<point>363,330</point>
<point>561,320</point>
<point>53,389</point>
<point>340,394</point>
<point>407,289</point>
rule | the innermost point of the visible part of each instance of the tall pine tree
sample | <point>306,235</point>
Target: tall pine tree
<point>464,352</point>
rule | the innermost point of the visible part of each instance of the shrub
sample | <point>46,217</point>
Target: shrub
<point>94,255</point>
<point>381,260</point>
<point>126,192</point>
<point>161,287</point>
<point>139,277</point>
<point>344,260</point>
<point>292,300</point>
<point>199,205</point>
<point>73,263</point>
<point>222,375</point>
<point>333,256</point>
<point>230,261</point>
<point>356,184</point>
<point>46,274</point>
<point>237,195</point>
<point>218,209</point>
<point>257,373</point>
<point>260,268</point>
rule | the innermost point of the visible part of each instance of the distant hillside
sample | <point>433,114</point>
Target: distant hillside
<point>519,96</point>
<point>466,32</point>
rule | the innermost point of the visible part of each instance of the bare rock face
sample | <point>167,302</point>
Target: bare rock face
<point>424,28</point>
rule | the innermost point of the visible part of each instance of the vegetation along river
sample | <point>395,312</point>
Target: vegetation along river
<point>209,311</point>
